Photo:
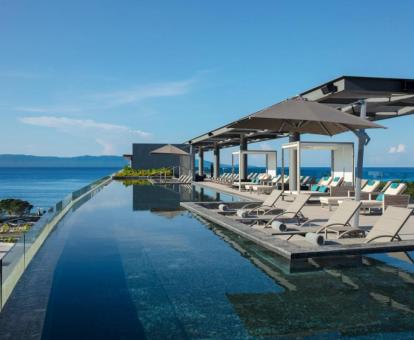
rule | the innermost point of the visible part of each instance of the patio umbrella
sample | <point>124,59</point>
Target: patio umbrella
<point>170,150</point>
<point>302,116</point>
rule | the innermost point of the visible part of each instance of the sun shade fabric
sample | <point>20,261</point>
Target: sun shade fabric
<point>169,150</point>
<point>297,115</point>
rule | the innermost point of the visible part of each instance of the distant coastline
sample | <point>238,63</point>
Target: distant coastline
<point>28,161</point>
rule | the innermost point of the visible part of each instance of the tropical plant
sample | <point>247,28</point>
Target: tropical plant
<point>12,206</point>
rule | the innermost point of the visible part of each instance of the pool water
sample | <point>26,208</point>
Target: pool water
<point>131,264</point>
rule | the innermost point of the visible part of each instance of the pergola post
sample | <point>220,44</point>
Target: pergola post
<point>216,161</point>
<point>243,158</point>
<point>363,140</point>
<point>192,161</point>
<point>293,162</point>
<point>200,161</point>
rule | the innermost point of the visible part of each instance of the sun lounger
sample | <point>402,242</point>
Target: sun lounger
<point>292,212</point>
<point>337,222</point>
<point>369,188</point>
<point>392,196</point>
<point>253,208</point>
<point>386,229</point>
<point>259,188</point>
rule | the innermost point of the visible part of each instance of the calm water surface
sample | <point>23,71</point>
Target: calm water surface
<point>44,187</point>
<point>130,264</point>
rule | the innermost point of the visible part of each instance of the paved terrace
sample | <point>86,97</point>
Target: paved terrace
<point>292,250</point>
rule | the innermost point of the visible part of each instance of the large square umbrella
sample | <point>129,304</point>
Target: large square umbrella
<point>302,116</point>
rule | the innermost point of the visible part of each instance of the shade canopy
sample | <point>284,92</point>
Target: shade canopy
<point>302,116</point>
<point>170,150</point>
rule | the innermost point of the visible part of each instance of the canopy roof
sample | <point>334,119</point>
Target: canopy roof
<point>386,98</point>
<point>298,115</point>
<point>169,150</point>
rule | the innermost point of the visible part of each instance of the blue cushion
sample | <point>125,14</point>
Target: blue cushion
<point>380,197</point>
<point>394,185</point>
<point>371,182</point>
<point>323,188</point>
<point>336,179</point>
<point>314,187</point>
<point>326,178</point>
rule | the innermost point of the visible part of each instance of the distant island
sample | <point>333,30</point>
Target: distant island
<point>27,161</point>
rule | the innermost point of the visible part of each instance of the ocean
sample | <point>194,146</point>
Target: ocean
<point>43,187</point>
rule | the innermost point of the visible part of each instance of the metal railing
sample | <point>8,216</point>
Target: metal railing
<point>14,263</point>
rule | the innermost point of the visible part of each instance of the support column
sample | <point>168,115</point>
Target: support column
<point>192,159</point>
<point>216,161</point>
<point>243,159</point>
<point>200,161</point>
<point>293,162</point>
<point>363,140</point>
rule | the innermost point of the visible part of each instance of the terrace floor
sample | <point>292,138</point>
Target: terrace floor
<point>301,249</point>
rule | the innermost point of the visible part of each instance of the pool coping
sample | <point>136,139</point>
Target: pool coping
<point>290,250</point>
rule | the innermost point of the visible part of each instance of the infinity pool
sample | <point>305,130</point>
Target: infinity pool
<point>129,263</point>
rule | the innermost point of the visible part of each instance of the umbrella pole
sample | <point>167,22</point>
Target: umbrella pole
<point>363,140</point>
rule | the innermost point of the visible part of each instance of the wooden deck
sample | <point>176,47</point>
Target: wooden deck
<point>299,249</point>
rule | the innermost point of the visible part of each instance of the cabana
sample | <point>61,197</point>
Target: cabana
<point>270,156</point>
<point>342,158</point>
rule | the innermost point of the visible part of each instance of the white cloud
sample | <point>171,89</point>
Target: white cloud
<point>136,94</point>
<point>106,100</point>
<point>112,138</point>
<point>47,109</point>
<point>400,148</point>
<point>64,123</point>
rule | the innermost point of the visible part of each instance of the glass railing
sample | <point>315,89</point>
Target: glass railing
<point>13,264</point>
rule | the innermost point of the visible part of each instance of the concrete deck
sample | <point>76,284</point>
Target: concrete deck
<point>4,248</point>
<point>299,248</point>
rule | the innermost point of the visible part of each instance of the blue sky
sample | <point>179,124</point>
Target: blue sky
<point>91,77</point>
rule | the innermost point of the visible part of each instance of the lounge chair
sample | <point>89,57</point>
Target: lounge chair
<point>392,196</point>
<point>336,181</point>
<point>338,222</point>
<point>370,187</point>
<point>253,208</point>
<point>305,181</point>
<point>386,229</point>
<point>292,212</point>
<point>259,188</point>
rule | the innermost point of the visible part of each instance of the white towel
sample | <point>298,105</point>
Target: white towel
<point>223,207</point>
<point>315,239</point>
<point>279,226</point>
<point>242,213</point>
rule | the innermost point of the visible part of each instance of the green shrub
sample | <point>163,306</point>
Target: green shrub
<point>129,172</point>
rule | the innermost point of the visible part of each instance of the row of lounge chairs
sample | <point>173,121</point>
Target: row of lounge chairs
<point>183,179</point>
<point>392,194</point>
<point>271,218</point>
<point>329,190</point>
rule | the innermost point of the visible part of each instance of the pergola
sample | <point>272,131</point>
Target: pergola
<point>270,160</point>
<point>367,97</point>
<point>342,158</point>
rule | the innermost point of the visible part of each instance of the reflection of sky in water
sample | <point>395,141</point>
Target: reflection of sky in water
<point>111,271</point>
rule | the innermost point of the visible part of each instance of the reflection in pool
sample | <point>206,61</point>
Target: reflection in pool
<point>130,264</point>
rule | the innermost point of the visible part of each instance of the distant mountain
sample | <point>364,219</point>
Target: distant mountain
<point>28,161</point>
